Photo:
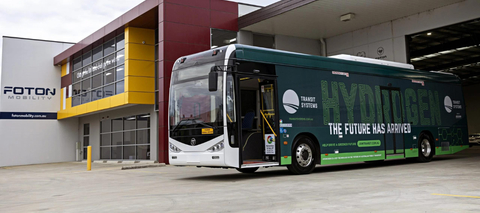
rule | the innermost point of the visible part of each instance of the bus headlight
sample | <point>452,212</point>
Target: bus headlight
<point>217,147</point>
<point>174,149</point>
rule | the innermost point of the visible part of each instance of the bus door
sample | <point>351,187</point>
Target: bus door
<point>393,114</point>
<point>259,127</point>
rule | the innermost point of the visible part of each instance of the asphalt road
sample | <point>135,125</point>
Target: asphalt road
<point>447,184</point>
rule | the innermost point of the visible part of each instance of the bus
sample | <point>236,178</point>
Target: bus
<point>247,107</point>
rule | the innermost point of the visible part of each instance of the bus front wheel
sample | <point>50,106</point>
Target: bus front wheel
<point>425,148</point>
<point>303,156</point>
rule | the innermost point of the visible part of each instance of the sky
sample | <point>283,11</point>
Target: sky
<point>65,20</point>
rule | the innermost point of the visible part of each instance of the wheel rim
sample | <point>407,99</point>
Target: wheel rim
<point>426,148</point>
<point>304,155</point>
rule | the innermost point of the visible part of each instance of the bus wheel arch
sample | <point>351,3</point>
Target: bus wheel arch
<point>426,135</point>
<point>305,146</point>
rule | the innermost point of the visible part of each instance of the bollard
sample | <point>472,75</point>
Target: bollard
<point>89,158</point>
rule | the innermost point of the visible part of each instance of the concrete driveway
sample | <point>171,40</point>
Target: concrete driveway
<point>447,184</point>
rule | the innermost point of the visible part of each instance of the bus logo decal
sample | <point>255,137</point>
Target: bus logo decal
<point>290,101</point>
<point>448,104</point>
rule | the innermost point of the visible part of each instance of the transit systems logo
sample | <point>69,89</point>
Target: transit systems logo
<point>291,101</point>
<point>448,104</point>
<point>270,139</point>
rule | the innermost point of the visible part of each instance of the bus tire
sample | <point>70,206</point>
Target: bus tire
<point>247,170</point>
<point>425,148</point>
<point>303,156</point>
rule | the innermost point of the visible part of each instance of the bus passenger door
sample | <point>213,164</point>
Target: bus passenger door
<point>259,117</point>
<point>393,114</point>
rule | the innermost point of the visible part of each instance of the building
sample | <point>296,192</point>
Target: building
<point>110,90</point>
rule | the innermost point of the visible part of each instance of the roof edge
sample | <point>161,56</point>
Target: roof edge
<point>270,11</point>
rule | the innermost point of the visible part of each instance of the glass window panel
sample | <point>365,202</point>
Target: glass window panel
<point>129,137</point>
<point>105,152</point>
<point>105,126</point>
<point>109,90</point>
<point>143,152</point>
<point>77,88</point>
<point>105,139</point>
<point>97,94</point>
<point>117,124</point>
<point>97,67</point>
<point>87,58</point>
<point>120,87</point>
<point>117,139</point>
<point>76,100</point>
<point>86,85</point>
<point>120,57</point>
<point>129,123</point>
<point>97,81</point>
<point>129,152</point>
<point>109,76</point>
<point>85,153</point>
<point>86,129</point>
<point>143,121</point>
<point>120,41</point>
<point>86,141</point>
<point>85,97</point>
<point>86,71</point>
<point>109,62</point>
<point>120,73</point>
<point>97,53</point>
<point>77,63</point>
<point>143,136</point>
<point>109,47</point>
<point>117,152</point>
<point>77,76</point>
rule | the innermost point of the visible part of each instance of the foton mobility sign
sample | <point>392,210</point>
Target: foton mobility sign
<point>26,95</point>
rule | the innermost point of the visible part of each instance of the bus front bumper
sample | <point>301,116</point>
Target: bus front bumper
<point>197,159</point>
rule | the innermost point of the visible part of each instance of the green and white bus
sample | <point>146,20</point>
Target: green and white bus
<point>246,107</point>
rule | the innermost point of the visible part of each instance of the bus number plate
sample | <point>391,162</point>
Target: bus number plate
<point>207,131</point>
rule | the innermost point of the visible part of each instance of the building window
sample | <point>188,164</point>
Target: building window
<point>86,139</point>
<point>99,73</point>
<point>125,138</point>
<point>222,37</point>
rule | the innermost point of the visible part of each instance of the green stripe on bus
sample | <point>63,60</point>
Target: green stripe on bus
<point>395,157</point>
<point>411,153</point>
<point>352,157</point>
<point>451,150</point>
<point>369,143</point>
<point>286,161</point>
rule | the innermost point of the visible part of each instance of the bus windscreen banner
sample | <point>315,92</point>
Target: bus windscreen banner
<point>29,115</point>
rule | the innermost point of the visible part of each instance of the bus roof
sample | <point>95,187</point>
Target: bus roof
<point>258,54</point>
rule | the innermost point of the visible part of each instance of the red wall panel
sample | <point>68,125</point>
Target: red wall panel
<point>193,3</point>
<point>223,20</point>
<point>184,29</point>
<point>187,33</point>
<point>186,15</point>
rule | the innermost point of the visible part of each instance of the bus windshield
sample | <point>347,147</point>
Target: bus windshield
<point>192,105</point>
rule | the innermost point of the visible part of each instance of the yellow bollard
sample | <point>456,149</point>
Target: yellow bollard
<point>89,158</point>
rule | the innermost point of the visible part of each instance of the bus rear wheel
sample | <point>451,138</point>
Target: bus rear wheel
<point>247,170</point>
<point>303,156</point>
<point>425,148</point>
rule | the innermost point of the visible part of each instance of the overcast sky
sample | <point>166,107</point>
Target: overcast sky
<point>65,20</point>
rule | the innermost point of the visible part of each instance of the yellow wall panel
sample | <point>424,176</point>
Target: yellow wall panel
<point>64,70</point>
<point>69,103</point>
<point>117,100</point>
<point>139,52</point>
<point>140,68</point>
<point>61,98</point>
<point>140,84</point>
<point>141,98</point>
<point>139,35</point>
<point>81,109</point>
<point>92,106</point>
<point>103,104</point>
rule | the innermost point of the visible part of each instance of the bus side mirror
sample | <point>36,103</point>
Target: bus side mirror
<point>213,79</point>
